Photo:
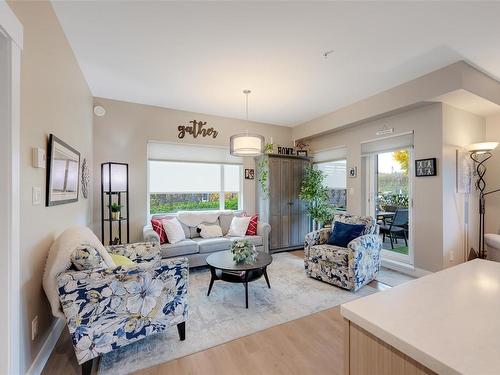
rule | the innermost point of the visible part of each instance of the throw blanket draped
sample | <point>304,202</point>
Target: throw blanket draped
<point>195,218</point>
<point>59,260</point>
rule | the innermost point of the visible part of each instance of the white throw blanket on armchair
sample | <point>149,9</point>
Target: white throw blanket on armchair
<point>59,260</point>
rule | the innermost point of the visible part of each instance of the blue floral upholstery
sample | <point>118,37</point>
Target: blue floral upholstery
<point>107,308</point>
<point>86,257</point>
<point>137,252</point>
<point>351,267</point>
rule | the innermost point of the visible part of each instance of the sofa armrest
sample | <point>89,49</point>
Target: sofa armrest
<point>368,242</point>
<point>108,308</point>
<point>318,237</point>
<point>137,252</point>
<point>263,229</point>
<point>149,235</point>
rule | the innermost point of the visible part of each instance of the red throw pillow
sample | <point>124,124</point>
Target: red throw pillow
<point>252,226</point>
<point>158,228</point>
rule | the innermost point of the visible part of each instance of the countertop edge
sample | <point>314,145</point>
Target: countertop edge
<point>404,347</point>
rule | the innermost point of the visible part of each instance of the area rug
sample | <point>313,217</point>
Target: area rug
<point>222,317</point>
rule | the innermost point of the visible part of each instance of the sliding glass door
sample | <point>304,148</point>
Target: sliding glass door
<point>388,185</point>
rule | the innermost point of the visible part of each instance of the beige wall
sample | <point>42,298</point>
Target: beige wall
<point>493,177</point>
<point>54,99</point>
<point>427,194</point>
<point>438,211</point>
<point>122,136</point>
<point>460,211</point>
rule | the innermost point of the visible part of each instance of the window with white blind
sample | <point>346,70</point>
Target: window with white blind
<point>336,180</point>
<point>183,186</point>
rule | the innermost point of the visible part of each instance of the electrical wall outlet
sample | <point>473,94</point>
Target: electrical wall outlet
<point>34,328</point>
<point>452,256</point>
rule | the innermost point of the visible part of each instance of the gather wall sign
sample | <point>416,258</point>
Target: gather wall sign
<point>197,128</point>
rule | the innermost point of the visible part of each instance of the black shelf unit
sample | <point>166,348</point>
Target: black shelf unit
<point>114,192</point>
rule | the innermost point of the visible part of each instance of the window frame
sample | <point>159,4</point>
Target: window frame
<point>221,191</point>
<point>315,165</point>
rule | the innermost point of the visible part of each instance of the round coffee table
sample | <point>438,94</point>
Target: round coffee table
<point>233,272</point>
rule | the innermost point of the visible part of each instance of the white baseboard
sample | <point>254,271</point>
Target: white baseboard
<point>405,268</point>
<point>47,348</point>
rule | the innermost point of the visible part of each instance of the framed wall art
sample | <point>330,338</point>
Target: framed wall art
<point>425,167</point>
<point>63,173</point>
<point>249,174</point>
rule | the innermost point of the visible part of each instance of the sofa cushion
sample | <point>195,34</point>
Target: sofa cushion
<point>170,216</point>
<point>252,226</point>
<point>173,229</point>
<point>158,228</point>
<point>225,219</point>
<point>185,247</point>
<point>254,240</point>
<point>210,231</point>
<point>343,233</point>
<point>367,221</point>
<point>335,254</point>
<point>209,245</point>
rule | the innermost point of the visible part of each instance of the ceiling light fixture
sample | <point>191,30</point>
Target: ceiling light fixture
<point>246,144</point>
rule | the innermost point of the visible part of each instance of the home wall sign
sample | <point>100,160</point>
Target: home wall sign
<point>197,128</point>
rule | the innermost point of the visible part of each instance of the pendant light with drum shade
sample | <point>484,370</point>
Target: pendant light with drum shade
<point>246,144</point>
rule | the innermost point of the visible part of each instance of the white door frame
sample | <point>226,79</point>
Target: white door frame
<point>370,204</point>
<point>11,32</point>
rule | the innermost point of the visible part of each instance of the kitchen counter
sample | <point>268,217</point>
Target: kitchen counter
<point>448,321</point>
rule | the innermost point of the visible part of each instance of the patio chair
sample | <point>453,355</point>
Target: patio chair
<point>397,228</point>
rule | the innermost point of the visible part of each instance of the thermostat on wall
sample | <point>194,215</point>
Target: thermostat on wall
<point>39,160</point>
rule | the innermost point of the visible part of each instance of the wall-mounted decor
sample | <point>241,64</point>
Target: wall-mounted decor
<point>425,167</point>
<point>197,129</point>
<point>353,172</point>
<point>302,153</point>
<point>63,173</point>
<point>249,174</point>
<point>85,179</point>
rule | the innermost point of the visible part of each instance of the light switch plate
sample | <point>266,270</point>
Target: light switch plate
<point>36,195</point>
<point>39,158</point>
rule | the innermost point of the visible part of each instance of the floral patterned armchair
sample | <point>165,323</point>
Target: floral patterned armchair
<point>107,308</point>
<point>351,267</point>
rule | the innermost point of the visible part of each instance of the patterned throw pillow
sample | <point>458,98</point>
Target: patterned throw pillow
<point>86,257</point>
<point>252,226</point>
<point>158,228</point>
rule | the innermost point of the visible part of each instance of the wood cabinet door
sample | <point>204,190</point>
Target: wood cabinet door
<point>286,200</point>
<point>295,211</point>
<point>275,202</point>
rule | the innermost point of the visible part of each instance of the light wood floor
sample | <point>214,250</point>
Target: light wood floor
<point>313,344</point>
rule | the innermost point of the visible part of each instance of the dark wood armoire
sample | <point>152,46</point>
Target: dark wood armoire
<point>278,202</point>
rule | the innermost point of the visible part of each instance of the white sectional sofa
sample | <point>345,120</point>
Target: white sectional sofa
<point>197,249</point>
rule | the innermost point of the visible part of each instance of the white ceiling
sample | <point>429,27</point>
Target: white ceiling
<point>200,56</point>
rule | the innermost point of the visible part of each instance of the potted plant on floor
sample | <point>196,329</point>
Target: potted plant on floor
<point>115,211</point>
<point>315,194</point>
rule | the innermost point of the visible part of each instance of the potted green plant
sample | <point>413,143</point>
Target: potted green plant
<point>315,194</point>
<point>243,251</point>
<point>115,211</point>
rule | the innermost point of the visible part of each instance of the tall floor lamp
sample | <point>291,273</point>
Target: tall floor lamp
<point>480,153</point>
